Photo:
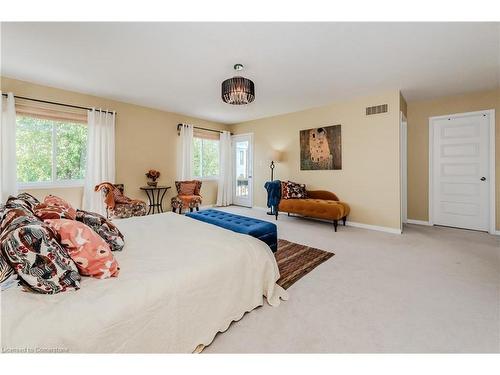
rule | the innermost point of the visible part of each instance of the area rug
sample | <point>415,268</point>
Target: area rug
<point>295,261</point>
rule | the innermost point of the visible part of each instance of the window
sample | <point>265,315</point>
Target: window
<point>205,157</point>
<point>50,152</point>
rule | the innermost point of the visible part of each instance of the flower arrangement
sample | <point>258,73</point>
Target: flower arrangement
<point>153,175</point>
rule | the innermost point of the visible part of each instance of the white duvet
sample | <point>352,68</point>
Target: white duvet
<point>181,282</point>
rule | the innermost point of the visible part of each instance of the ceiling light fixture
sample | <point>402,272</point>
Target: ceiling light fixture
<point>238,90</point>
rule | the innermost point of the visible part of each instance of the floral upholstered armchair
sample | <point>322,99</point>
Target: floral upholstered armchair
<point>117,204</point>
<point>188,195</point>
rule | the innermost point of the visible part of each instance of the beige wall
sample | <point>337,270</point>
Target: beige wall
<point>418,144</point>
<point>369,179</point>
<point>145,138</point>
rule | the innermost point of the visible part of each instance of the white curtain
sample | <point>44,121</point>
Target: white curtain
<point>225,187</point>
<point>100,158</point>
<point>8,165</point>
<point>185,159</point>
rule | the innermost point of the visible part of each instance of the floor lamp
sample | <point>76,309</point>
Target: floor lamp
<point>275,157</point>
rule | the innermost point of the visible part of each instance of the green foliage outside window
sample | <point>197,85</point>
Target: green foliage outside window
<point>36,152</point>
<point>205,157</point>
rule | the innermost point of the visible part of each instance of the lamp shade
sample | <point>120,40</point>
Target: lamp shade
<point>277,156</point>
<point>238,91</point>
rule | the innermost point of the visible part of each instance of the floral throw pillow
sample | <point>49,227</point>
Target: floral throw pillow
<point>88,250</point>
<point>42,264</point>
<point>103,227</point>
<point>292,190</point>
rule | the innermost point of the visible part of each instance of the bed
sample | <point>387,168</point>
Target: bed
<point>181,282</point>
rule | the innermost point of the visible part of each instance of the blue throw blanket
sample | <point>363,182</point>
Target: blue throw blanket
<point>273,194</point>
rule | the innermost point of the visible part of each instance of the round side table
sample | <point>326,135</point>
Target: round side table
<point>155,202</point>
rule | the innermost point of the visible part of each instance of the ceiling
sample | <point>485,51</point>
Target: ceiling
<point>179,67</point>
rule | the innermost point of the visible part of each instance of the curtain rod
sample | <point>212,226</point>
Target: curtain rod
<point>61,104</point>
<point>197,127</point>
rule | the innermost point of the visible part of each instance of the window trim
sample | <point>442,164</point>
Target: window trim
<point>50,184</point>
<point>54,183</point>
<point>206,178</point>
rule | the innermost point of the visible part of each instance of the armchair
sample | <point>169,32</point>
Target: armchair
<point>188,196</point>
<point>117,204</point>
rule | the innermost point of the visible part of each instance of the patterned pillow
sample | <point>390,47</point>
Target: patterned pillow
<point>55,208</point>
<point>88,250</point>
<point>14,202</point>
<point>293,190</point>
<point>15,215</point>
<point>45,211</point>
<point>187,188</point>
<point>7,274</point>
<point>29,200</point>
<point>103,227</point>
<point>41,263</point>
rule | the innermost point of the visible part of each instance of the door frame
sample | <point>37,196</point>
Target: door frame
<point>492,180</point>
<point>403,131</point>
<point>251,172</point>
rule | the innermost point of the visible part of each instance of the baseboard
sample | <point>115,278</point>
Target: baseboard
<point>350,223</point>
<point>418,222</point>
<point>373,227</point>
<point>207,206</point>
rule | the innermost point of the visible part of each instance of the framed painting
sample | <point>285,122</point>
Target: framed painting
<point>321,148</point>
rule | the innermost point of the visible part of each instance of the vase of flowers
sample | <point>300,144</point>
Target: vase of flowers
<point>153,175</point>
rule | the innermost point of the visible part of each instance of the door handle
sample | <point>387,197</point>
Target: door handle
<point>483,178</point>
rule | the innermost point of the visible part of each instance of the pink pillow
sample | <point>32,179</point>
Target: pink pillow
<point>54,201</point>
<point>88,250</point>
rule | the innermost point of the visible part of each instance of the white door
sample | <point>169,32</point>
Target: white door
<point>460,171</point>
<point>243,169</point>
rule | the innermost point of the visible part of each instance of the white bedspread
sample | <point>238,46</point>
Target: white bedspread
<point>181,282</point>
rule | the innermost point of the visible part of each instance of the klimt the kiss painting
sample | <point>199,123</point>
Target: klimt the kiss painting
<point>321,148</point>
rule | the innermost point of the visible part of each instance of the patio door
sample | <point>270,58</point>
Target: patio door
<point>243,170</point>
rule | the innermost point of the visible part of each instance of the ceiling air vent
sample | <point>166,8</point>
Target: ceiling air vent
<point>376,109</point>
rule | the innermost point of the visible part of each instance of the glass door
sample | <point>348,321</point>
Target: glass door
<point>243,169</point>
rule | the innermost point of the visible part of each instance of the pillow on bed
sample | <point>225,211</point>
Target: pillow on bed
<point>41,263</point>
<point>88,250</point>
<point>45,212</point>
<point>29,200</point>
<point>14,202</point>
<point>7,275</point>
<point>14,216</point>
<point>54,208</point>
<point>103,227</point>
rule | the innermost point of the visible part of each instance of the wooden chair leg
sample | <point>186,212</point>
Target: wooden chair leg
<point>344,220</point>
<point>335,224</point>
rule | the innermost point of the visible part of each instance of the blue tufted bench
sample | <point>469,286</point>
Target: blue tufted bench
<point>263,230</point>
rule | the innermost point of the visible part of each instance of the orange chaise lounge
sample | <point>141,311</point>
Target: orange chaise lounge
<point>319,204</point>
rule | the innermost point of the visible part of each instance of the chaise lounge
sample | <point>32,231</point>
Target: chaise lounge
<point>319,204</point>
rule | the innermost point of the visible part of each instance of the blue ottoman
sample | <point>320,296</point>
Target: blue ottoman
<point>263,230</point>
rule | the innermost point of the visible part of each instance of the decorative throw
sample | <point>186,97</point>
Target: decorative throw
<point>103,227</point>
<point>88,250</point>
<point>41,263</point>
<point>293,190</point>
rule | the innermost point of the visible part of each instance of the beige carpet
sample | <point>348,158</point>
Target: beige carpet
<point>430,289</point>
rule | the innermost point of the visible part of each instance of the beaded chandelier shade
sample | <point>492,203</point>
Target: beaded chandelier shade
<point>238,90</point>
